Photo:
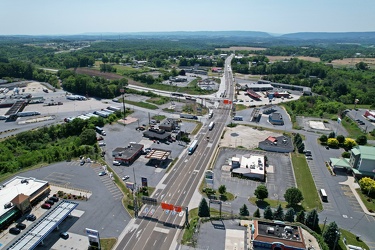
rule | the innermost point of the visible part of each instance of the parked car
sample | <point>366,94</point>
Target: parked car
<point>54,199</point>
<point>31,217</point>
<point>64,235</point>
<point>102,144</point>
<point>102,173</point>
<point>125,177</point>
<point>116,163</point>
<point>14,230</point>
<point>46,206</point>
<point>51,202</point>
<point>21,226</point>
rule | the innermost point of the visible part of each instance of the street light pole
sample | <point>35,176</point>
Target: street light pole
<point>336,239</point>
<point>123,101</point>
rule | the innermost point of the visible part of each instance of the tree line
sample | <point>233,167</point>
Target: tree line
<point>51,144</point>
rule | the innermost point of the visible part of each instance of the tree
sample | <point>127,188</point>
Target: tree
<point>105,59</point>
<point>268,213</point>
<point>222,189</point>
<point>361,140</point>
<point>340,139</point>
<point>300,217</point>
<point>367,185</point>
<point>332,135</point>
<point>361,66</point>
<point>279,213</point>
<point>349,143</point>
<point>203,210</point>
<point>323,139</point>
<point>333,142</point>
<point>244,211</point>
<point>330,235</point>
<point>88,137</point>
<point>289,215</point>
<point>257,213</point>
<point>312,220</point>
<point>261,192</point>
<point>293,196</point>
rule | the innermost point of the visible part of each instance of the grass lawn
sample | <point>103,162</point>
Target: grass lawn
<point>369,204</point>
<point>305,183</point>
<point>358,106</point>
<point>197,128</point>
<point>240,107</point>
<point>350,240</point>
<point>267,202</point>
<point>159,117</point>
<point>107,244</point>
<point>142,104</point>
<point>353,129</point>
<point>127,70</point>
<point>159,100</point>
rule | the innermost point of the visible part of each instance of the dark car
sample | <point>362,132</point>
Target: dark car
<point>31,217</point>
<point>14,230</point>
<point>54,199</point>
<point>51,202</point>
<point>21,226</point>
<point>46,206</point>
<point>64,235</point>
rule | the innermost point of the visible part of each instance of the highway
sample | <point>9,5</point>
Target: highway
<point>158,229</point>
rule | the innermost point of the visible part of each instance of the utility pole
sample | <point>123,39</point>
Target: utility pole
<point>135,195</point>
<point>123,101</point>
<point>324,225</point>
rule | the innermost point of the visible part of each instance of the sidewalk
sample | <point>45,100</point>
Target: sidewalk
<point>353,186</point>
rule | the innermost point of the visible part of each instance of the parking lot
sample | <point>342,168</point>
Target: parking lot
<point>279,176</point>
<point>119,135</point>
<point>103,210</point>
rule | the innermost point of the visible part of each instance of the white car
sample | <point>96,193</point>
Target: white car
<point>102,144</point>
<point>125,177</point>
<point>116,163</point>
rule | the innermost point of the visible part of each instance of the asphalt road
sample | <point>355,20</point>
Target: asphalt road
<point>158,231</point>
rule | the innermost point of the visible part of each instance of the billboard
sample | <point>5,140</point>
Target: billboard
<point>93,236</point>
<point>130,185</point>
<point>144,181</point>
<point>166,206</point>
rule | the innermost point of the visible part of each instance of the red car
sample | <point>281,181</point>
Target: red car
<point>46,206</point>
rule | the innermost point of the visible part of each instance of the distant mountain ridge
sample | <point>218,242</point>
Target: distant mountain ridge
<point>330,35</point>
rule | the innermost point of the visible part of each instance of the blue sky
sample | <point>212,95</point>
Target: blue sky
<point>38,17</point>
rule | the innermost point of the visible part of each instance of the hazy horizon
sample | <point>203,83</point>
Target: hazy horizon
<point>69,17</point>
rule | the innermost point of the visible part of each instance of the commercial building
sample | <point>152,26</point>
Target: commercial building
<point>276,119</point>
<point>18,195</point>
<point>276,236</point>
<point>361,162</point>
<point>157,134</point>
<point>129,154</point>
<point>169,124</point>
<point>251,166</point>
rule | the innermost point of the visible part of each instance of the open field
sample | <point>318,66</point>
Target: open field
<point>354,61</point>
<point>93,72</point>
<point>241,48</point>
<point>281,58</point>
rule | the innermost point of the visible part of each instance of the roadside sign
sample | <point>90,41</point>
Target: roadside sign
<point>144,181</point>
<point>130,185</point>
<point>122,91</point>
